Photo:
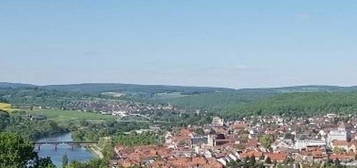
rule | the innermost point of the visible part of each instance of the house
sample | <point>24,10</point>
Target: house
<point>345,157</point>
<point>345,145</point>
<point>278,157</point>
<point>217,122</point>
<point>312,154</point>
<point>338,134</point>
<point>251,153</point>
<point>282,144</point>
<point>300,144</point>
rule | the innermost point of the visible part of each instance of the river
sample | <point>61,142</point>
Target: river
<point>77,154</point>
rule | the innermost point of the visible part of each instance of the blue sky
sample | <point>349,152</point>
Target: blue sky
<point>233,43</point>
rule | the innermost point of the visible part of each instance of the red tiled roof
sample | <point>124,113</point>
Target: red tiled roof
<point>251,153</point>
<point>345,156</point>
<point>277,156</point>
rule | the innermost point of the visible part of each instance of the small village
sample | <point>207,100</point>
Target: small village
<point>264,141</point>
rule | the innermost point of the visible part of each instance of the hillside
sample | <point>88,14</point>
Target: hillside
<point>298,104</point>
<point>133,88</point>
<point>230,103</point>
<point>6,85</point>
<point>219,101</point>
<point>222,101</point>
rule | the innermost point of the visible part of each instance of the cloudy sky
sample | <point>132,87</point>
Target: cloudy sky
<point>229,43</point>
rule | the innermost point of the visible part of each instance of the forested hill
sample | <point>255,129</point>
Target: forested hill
<point>230,103</point>
<point>134,88</point>
<point>117,87</point>
<point>6,85</point>
<point>220,101</point>
<point>298,104</point>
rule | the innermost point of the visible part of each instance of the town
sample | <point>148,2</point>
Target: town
<point>254,141</point>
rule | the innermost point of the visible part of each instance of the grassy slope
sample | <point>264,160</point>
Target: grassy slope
<point>6,107</point>
<point>66,115</point>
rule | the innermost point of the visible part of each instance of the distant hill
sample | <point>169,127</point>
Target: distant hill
<point>316,88</point>
<point>15,85</point>
<point>151,89</point>
<point>117,87</point>
<point>298,104</point>
<point>307,88</point>
<point>231,103</point>
<point>220,101</point>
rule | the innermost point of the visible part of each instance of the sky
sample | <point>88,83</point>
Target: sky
<point>230,43</point>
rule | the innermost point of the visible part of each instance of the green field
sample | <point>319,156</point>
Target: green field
<point>66,115</point>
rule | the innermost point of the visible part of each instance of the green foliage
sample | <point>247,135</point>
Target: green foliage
<point>17,152</point>
<point>137,139</point>
<point>36,96</point>
<point>248,163</point>
<point>92,131</point>
<point>199,131</point>
<point>94,163</point>
<point>44,163</point>
<point>266,141</point>
<point>31,129</point>
<point>4,119</point>
<point>107,147</point>
<point>132,88</point>
<point>219,101</point>
<point>338,150</point>
<point>299,104</point>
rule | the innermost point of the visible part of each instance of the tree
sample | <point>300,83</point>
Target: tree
<point>232,164</point>
<point>15,151</point>
<point>338,150</point>
<point>337,163</point>
<point>44,163</point>
<point>266,141</point>
<point>94,163</point>
<point>4,119</point>
<point>252,160</point>
<point>200,131</point>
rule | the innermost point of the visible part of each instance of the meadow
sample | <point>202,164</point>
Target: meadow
<point>6,107</point>
<point>67,115</point>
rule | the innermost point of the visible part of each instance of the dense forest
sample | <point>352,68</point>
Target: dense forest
<point>39,97</point>
<point>299,104</point>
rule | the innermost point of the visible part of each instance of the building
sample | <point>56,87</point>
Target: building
<point>217,122</point>
<point>202,140</point>
<point>300,144</point>
<point>339,134</point>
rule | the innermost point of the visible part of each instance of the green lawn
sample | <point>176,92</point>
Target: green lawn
<point>66,115</point>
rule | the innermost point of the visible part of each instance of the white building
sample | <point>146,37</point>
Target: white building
<point>119,113</point>
<point>218,122</point>
<point>339,134</point>
<point>300,144</point>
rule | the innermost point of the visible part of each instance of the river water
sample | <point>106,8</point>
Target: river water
<point>77,153</point>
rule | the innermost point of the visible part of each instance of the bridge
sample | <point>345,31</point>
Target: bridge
<point>71,143</point>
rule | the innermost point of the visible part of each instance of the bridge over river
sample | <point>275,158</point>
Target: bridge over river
<point>71,143</point>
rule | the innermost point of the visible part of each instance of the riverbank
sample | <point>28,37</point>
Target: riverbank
<point>96,150</point>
